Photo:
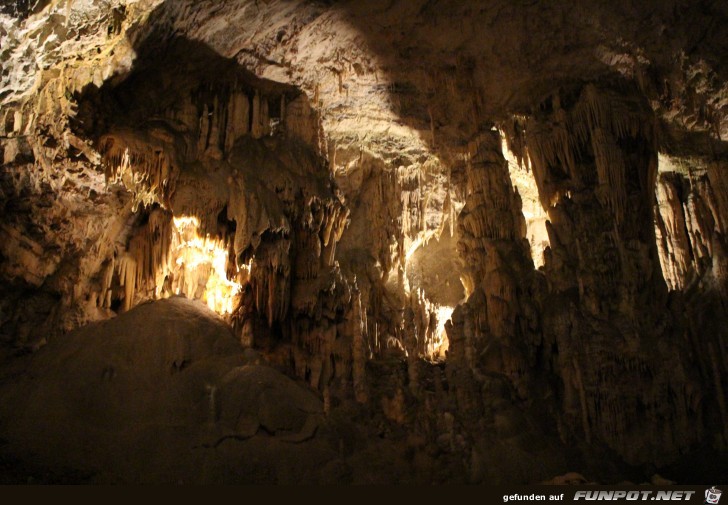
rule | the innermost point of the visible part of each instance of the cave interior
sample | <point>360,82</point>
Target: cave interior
<point>383,242</point>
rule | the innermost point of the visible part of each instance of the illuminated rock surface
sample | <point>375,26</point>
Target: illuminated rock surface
<point>455,242</point>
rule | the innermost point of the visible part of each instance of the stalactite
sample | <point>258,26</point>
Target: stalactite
<point>283,107</point>
<point>150,249</point>
<point>203,129</point>
<point>264,117</point>
<point>599,117</point>
<point>144,165</point>
<point>611,172</point>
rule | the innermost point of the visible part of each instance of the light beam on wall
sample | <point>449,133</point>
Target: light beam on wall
<point>199,265</point>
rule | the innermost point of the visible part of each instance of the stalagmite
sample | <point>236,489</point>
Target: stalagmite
<point>127,279</point>
<point>410,342</point>
<point>359,349</point>
<point>719,390</point>
<point>583,402</point>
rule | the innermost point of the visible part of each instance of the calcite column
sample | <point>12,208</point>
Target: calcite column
<point>497,329</point>
<point>624,367</point>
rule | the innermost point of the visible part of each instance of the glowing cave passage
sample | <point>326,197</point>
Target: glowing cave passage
<point>200,266</point>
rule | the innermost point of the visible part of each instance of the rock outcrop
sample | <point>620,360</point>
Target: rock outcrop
<point>163,393</point>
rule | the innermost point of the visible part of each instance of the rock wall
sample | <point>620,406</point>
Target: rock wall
<point>243,158</point>
<point>339,180</point>
<point>606,318</point>
<point>691,242</point>
<point>690,229</point>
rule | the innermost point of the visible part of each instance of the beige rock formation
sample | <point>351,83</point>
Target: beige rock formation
<point>491,239</point>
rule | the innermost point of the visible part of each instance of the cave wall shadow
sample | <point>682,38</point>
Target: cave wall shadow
<point>160,73</point>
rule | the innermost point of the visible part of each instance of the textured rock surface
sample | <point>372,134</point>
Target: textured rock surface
<point>491,238</point>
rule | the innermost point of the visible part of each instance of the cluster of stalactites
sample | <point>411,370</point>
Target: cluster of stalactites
<point>384,226</point>
<point>221,115</point>
<point>424,323</point>
<point>142,267</point>
<point>145,166</point>
<point>202,266</point>
<point>150,248</point>
<point>415,329</point>
<point>147,160</point>
<point>321,225</point>
<point>412,201</point>
<point>687,219</point>
<point>597,123</point>
<point>183,259</point>
<point>221,122</point>
<point>271,278</point>
<point>283,260</point>
<point>167,256</point>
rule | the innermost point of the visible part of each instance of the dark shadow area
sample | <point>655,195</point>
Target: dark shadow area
<point>449,61</point>
<point>162,76</point>
<point>22,8</point>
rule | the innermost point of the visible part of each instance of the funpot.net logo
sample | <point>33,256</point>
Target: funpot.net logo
<point>712,496</point>
<point>670,495</point>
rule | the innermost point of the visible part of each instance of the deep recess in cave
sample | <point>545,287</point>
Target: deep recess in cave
<point>363,242</point>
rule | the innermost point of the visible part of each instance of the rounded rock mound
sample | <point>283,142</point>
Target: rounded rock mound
<point>161,394</point>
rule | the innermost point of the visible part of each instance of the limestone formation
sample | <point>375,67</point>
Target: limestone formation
<point>400,241</point>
